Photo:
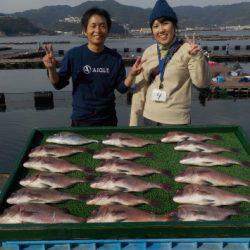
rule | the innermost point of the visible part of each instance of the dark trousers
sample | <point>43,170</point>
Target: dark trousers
<point>85,123</point>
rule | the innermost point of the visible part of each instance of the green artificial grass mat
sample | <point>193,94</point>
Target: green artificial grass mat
<point>164,157</point>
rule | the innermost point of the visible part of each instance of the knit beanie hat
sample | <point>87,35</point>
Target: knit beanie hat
<point>162,9</point>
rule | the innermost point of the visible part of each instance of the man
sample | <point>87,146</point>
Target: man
<point>96,72</point>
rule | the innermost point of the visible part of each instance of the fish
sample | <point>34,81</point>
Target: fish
<point>208,196</point>
<point>50,180</point>
<point>118,166</point>
<point>56,151</point>
<point>125,183</point>
<point>69,138</point>
<point>202,213</point>
<point>54,165</point>
<point>180,136</point>
<point>40,195</point>
<point>112,153</point>
<point>127,199</point>
<point>207,176</point>
<point>38,214</point>
<point>126,140</point>
<point>192,146</point>
<point>210,160</point>
<point>120,213</point>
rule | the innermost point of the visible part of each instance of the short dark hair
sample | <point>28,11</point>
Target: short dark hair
<point>95,11</point>
<point>164,19</point>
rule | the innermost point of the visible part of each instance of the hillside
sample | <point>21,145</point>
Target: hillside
<point>189,16</point>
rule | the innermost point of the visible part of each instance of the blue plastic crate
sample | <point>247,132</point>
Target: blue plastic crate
<point>154,244</point>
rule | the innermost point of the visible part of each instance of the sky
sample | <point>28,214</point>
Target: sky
<point>10,6</point>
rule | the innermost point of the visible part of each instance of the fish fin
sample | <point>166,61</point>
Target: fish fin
<point>117,212</point>
<point>50,155</point>
<point>209,202</point>
<point>206,192</point>
<point>28,213</point>
<point>149,155</point>
<point>245,164</point>
<point>216,137</point>
<point>167,173</point>
<point>124,171</point>
<point>207,183</point>
<point>165,187</point>
<point>197,212</point>
<point>123,189</point>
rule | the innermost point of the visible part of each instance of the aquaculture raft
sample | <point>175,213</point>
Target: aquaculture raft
<point>164,157</point>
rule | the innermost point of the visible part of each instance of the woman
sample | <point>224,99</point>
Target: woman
<point>96,72</point>
<point>162,91</point>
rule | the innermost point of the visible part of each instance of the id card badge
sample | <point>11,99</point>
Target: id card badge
<point>159,95</point>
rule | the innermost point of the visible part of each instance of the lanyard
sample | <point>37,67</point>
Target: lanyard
<point>165,60</point>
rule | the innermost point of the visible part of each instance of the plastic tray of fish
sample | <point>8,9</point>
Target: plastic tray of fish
<point>159,191</point>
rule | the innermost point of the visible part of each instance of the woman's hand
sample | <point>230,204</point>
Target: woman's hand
<point>137,67</point>
<point>194,47</point>
<point>49,59</point>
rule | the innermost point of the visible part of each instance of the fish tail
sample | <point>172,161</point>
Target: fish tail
<point>216,137</point>
<point>154,204</point>
<point>167,173</point>
<point>149,155</point>
<point>88,171</point>
<point>245,164</point>
<point>89,178</point>
<point>165,187</point>
<point>87,150</point>
<point>82,197</point>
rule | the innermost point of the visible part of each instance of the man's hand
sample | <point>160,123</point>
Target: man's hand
<point>49,59</point>
<point>194,47</point>
<point>137,67</point>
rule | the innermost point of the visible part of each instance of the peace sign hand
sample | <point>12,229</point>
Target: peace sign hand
<point>194,47</point>
<point>49,59</point>
<point>137,67</point>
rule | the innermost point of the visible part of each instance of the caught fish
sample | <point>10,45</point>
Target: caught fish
<point>208,196</point>
<point>118,166</point>
<point>50,180</point>
<point>39,195</point>
<point>125,140</point>
<point>179,136</point>
<point>111,153</point>
<point>119,213</point>
<point>69,138</point>
<point>202,147</point>
<point>201,213</point>
<point>56,151</point>
<point>207,176</point>
<point>125,183</point>
<point>54,165</point>
<point>210,160</point>
<point>37,213</point>
<point>109,198</point>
